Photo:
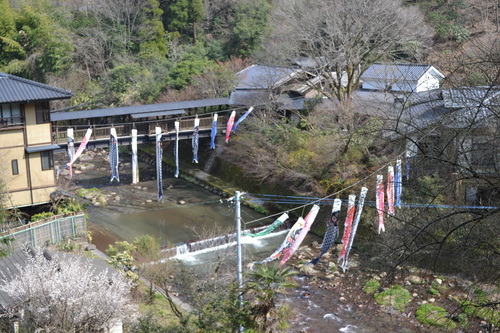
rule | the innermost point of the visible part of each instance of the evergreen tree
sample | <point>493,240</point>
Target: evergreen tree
<point>10,49</point>
<point>249,27</point>
<point>196,16</point>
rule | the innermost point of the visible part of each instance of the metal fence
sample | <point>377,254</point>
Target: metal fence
<point>46,232</point>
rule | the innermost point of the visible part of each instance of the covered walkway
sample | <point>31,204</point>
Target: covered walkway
<point>144,118</point>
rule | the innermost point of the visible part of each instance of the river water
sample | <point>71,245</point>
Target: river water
<point>190,212</point>
<point>201,213</point>
<point>186,213</point>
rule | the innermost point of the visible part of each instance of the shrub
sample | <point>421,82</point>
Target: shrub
<point>41,216</point>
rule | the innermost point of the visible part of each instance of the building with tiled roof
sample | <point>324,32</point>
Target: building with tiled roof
<point>26,142</point>
<point>397,77</point>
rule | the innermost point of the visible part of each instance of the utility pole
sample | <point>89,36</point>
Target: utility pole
<point>238,246</point>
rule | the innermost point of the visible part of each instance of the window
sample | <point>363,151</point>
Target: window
<point>42,112</point>
<point>15,167</point>
<point>10,114</point>
<point>47,160</point>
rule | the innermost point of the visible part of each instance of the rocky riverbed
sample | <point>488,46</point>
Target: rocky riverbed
<point>326,299</point>
<point>329,300</point>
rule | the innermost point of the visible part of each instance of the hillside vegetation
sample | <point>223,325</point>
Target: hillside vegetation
<point>112,53</point>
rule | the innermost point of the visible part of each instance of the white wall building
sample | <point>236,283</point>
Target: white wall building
<point>401,77</point>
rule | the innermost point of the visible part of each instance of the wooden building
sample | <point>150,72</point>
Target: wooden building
<point>26,143</point>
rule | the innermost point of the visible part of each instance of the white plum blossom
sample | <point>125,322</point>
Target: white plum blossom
<point>67,293</point>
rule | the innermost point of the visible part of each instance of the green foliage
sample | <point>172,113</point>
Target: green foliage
<point>371,286</point>
<point>45,42</point>
<point>10,48</point>
<point>429,190</point>
<point>147,247</point>
<point>395,296</point>
<point>121,255</point>
<point>178,16</point>
<point>265,283</point>
<point>484,312</point>
<point>434,315</point>
<point>153,45</point>
<point>5,242</point>
<point>149,324</point>
<point>41,216</point>
<point>249,27</point>
<point>192,63</point>
<point>433,291</point>
<point>122,77</point>
<point>67,246</point>
<point>68,206</point>
<point>463,320</point>
<point>481,295</point>
<point>332,185</point>
<point>447,21</point>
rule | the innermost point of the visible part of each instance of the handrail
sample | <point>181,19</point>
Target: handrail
<point>143,128</point>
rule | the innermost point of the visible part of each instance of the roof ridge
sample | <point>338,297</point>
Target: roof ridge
<point>401,63</point>
<point>34,83</point>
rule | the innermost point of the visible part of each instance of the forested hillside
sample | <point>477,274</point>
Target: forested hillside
<point>115,52</point>
<point>123,52</point>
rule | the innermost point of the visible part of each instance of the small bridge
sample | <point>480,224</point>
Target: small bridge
<point>146,131</point>
<point>144,118</point>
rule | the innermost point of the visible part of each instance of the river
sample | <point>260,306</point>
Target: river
<point>190,212</point>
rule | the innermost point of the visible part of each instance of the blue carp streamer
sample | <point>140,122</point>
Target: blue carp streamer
<point>194,141</point>
<point>214,132</point>
<point>159,159</point>
<point>242,118</point>
<point>332,231</point>
<point>113,154</point>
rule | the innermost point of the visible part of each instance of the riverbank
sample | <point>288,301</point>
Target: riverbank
<point>326,299</point>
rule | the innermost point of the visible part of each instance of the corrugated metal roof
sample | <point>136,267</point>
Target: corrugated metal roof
<point>137,109</point>
<point>14,89</point>
<point>398,72</point>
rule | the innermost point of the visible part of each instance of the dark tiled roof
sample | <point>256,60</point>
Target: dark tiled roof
<point>263,76</point>
<point>249,97</point>
<point>470,96</point>
<point>9,268</point>
<point>310,62</point>
<point>14,89</point>
<point>395,71</point>
<point>137,109</point>
<point>158,114</point>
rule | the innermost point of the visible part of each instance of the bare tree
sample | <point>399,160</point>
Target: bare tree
<point>343,38</point>
<point>118,26</point>
<point>67,295</point>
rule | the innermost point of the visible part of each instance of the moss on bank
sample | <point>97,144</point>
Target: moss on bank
<point>395,296</point>
<point>435,316</point>
<point>371,286</point>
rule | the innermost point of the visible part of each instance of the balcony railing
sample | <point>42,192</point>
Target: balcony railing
<point>10,122</point>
